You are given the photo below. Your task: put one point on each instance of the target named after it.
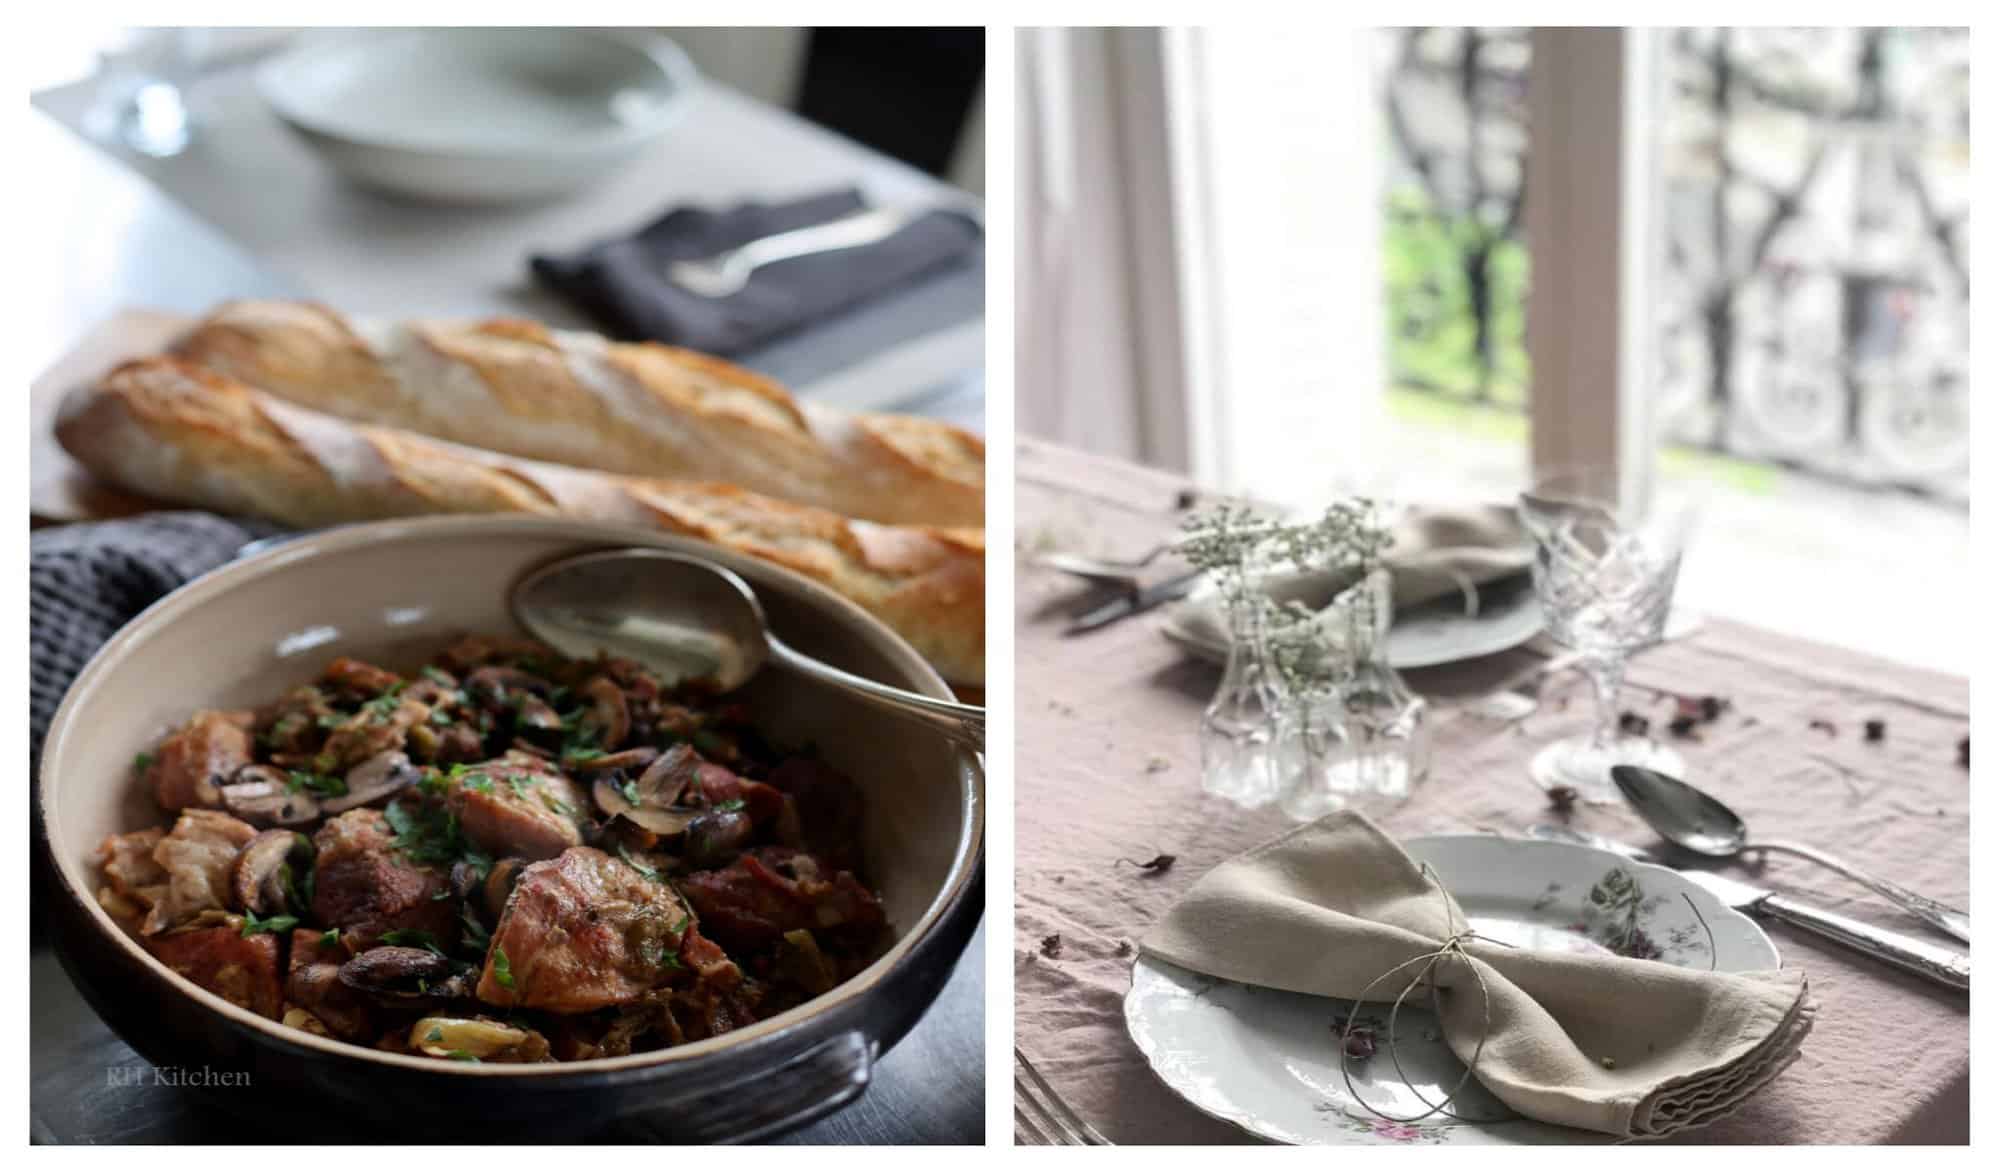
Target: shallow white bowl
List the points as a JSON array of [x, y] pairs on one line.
[[479, 116]]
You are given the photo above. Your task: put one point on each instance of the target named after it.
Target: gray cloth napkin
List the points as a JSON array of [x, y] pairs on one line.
[[622, 283], [1632, 1048], [87, 581], [1436, 552]]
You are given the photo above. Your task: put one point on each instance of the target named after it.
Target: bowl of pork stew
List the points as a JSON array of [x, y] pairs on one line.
[[327, 816]]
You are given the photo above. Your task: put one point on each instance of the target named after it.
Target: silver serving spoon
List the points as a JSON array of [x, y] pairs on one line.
[[687, 618], [1689, 818]]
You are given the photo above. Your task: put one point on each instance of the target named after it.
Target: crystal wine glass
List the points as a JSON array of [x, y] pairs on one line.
[[1604, 574]]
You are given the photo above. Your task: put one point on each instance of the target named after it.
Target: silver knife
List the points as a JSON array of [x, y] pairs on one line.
[[1940, 964], [1136, 602]]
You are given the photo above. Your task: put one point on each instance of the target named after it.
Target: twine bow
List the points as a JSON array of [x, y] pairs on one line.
[[1453, 946]]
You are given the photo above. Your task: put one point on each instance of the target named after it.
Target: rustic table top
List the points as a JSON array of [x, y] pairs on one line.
[[1107, 767]]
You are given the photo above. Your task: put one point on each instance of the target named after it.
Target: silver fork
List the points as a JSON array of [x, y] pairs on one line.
[[1042, 1116], [727, 272]]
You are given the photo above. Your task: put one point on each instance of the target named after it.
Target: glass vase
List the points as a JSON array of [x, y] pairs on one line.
[[1358, 736], [1239, 727]]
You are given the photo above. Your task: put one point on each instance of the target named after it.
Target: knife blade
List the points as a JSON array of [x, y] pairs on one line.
[[1944, 965], [1138, 601]]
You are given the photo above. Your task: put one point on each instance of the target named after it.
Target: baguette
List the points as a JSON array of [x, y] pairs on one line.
[[638, 409], [174, 431]]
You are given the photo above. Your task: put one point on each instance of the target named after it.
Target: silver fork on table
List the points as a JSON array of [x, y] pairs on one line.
[[727, 272], [1041, 1115]]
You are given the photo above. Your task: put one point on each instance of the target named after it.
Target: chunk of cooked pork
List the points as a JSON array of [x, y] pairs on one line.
[[365, 886], [196, 857], [192, 765], [242, 970], [585, 931]]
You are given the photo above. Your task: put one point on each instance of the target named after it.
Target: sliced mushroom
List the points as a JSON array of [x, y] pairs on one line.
[[607, 712], [658, 790], [500, 884], [490, 685], [664, 822], [397, 976], [627, 759], [716, 837], [262, 878], [465, 879], [262, 796], [468, 1037], [534, 712], [373, 780]]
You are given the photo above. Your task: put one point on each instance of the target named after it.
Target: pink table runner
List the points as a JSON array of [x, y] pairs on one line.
[[1108, 767]]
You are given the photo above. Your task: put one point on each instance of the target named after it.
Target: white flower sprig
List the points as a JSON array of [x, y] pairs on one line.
[[1232, 542]]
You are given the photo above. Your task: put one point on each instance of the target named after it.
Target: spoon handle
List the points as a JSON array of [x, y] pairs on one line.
[[963, 723], [1944, 917]]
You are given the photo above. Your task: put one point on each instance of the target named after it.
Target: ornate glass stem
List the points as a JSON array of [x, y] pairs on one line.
[[1607, 680]]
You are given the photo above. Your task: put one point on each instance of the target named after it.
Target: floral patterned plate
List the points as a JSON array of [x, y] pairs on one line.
[[1268, 1061]]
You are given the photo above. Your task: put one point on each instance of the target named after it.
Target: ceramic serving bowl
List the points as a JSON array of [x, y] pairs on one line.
[[394, 592], [479, 116]]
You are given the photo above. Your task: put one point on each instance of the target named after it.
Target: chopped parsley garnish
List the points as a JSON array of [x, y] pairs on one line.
[[670, 959], [252, 925], [427, 834], [440, 717], [649, 872], [142, 762], [461, 1055], [321, 784], [332, 720], [503, 972], [478, 783], [436, 1034], [521, 785], [381, 706], [412, 938], [629, 790], [475, 936], [329, 938], [558, 805], [438, 677], [731, 805]]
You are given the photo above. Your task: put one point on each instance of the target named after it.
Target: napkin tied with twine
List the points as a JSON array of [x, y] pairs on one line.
[[1638, 1049]]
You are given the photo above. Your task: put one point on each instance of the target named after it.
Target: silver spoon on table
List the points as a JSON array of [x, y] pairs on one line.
[[1691, 819], [689, 618]]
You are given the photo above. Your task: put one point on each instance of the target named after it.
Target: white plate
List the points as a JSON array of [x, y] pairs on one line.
[[1423, 636], [1268, 1061], [472, 115]]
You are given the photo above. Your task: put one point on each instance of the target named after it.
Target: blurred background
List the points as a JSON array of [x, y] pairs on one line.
[[1419, 261]]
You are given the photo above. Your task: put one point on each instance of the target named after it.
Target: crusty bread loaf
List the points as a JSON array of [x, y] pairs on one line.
[[575, 398], [175, 431]]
